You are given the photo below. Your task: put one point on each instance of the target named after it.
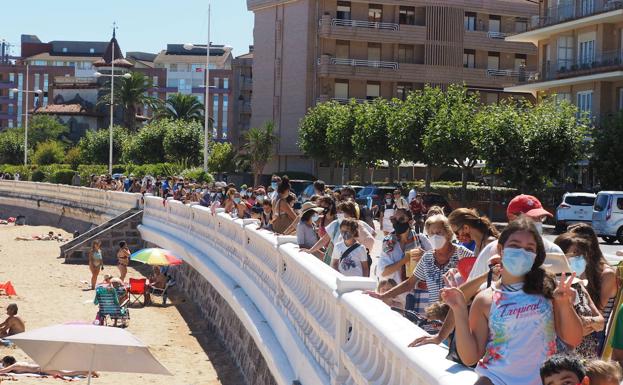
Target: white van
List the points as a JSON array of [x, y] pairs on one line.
[[608, 216]]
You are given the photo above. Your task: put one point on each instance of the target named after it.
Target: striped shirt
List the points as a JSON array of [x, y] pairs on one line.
[[428, 271]]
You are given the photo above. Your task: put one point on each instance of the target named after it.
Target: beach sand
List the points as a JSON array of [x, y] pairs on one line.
[[50, 292]]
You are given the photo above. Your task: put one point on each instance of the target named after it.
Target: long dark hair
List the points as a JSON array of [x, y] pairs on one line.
[[595, 260], [470, 217], [284, 185], [537, 281]]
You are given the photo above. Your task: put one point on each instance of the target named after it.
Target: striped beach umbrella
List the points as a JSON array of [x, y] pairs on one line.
[[156, 257]]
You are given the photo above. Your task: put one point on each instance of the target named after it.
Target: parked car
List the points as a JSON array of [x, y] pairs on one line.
[[574, 208], [608, 216], [434, 199], [309, 192], [377, 193], [299, 185]]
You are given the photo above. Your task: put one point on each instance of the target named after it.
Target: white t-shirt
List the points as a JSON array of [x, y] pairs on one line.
[[482, 262], [365, 233], [351, 265]]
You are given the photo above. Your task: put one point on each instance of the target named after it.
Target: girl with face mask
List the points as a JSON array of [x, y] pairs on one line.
[[576, 250], [472, 229], [511, 327], [387, 210], [306, 228]]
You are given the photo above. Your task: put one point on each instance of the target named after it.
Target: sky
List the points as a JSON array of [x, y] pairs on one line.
[[143, 25]]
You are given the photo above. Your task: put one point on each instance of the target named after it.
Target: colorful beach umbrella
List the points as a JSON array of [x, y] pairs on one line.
[[156, 257]]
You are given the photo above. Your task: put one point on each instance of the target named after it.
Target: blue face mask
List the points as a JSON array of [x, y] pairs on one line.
[[274, 185], [577, 264], [517, 262], [237, 200]]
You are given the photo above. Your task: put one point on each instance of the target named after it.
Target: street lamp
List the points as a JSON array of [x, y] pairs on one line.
[[112, 77], [26, 91]]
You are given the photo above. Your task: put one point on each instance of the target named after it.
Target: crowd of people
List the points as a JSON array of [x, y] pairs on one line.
[[511, 304]]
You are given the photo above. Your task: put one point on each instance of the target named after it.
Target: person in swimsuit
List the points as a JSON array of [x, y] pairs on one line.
[[13, 324], [96, 262], [11, 365], [123, 260]]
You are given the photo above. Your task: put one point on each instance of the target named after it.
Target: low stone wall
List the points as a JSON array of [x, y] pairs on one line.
[[221, 320]]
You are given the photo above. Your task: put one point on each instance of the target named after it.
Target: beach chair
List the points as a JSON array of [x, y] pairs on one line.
[[154, 291], [110, 308], [137, 290]]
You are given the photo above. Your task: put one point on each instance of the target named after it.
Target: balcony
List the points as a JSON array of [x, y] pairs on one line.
[[370, 32], [246, 84], [573, 15], [518, 75], [245, 107], [359, 63], [325, 98], [495, 41]]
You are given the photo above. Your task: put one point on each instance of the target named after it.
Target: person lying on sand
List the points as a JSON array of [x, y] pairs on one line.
[[47, 237], [11, 365], [13, 324]]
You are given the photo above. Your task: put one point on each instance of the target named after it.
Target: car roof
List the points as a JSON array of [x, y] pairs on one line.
[[580, 194], [611, 192]]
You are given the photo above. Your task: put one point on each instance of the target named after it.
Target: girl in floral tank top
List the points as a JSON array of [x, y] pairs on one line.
[[511, 327]]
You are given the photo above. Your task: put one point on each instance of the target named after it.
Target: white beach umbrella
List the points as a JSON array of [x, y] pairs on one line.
[[88, 348]]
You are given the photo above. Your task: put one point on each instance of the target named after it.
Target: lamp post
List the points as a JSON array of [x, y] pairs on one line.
[[112, 77], [26, 91]]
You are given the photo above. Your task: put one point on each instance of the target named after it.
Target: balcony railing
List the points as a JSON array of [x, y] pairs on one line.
[[74, 80], [497, 35], [572, 10], [365, 63], [363, 24], [522, 75], [562, 69]]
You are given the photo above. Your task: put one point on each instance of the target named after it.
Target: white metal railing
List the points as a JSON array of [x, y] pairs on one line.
[[511, 73], [365, 63], [328, 331], [364, 24], [497, 35]]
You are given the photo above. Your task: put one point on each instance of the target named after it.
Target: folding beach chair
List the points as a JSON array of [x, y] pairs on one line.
[[154, 291], [137, 290], [110, 308]]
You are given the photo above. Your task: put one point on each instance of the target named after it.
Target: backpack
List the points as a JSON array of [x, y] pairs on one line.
[[352, 247]]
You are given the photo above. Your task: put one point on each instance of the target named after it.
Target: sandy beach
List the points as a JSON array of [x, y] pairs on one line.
[[50, 292]]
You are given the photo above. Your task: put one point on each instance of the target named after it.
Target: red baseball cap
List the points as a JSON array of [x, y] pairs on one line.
[[527, 205]]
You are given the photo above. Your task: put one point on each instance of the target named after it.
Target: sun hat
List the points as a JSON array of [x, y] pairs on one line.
[[528, 205], [558, 265], [307, 206]]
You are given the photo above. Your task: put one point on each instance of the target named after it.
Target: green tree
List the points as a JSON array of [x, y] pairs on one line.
[[43, 128], [49, 152], [94, 146], [11, 147], [340, 134], [181, 106], [452, 135], [607, 160], [222, 158], [131, 94], [313, 132], [183, 140], [370, 135], [259, 148], [73, 157], [147, 145], [555, 137]]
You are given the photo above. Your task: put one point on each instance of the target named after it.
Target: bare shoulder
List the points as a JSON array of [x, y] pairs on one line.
[[483, 300]]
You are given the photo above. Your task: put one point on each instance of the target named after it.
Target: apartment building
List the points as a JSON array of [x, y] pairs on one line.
[[580, 49], [307, 51], [185, 72], [243, 91]]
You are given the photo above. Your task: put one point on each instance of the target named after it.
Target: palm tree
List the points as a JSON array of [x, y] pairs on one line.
[[181, 106], [259, 148], [132, 94]]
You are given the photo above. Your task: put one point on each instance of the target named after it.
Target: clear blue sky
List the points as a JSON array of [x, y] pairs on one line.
[[143, 25]]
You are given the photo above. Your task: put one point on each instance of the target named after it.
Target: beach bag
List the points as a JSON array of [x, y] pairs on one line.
[[281, 224]]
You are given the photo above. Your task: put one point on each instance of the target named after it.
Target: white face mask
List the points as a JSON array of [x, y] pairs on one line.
[[437, 241], [340, 216]]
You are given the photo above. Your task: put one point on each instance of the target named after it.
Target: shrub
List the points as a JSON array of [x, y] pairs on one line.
[[49, 152], [11, 147], [183, 140], [147, 145], [73, 157], [38, 176], [94, 146], [198, 175], [62, 176]]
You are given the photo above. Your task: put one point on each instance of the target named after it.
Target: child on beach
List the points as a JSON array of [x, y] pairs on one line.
[[13, 324], [511, 327], [563, 370]]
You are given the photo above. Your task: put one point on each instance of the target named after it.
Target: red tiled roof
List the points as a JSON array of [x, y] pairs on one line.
[[64, 109]]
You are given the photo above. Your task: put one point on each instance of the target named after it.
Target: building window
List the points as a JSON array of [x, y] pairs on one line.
[[373, 90], [565, 52], [375, 13], [585, 102], [493, 61], [406, 54], [374, 52], [154, 81], [10, 123], [64, 50], [45, 89], [588, 7], [216, 82], [226, 83], [343, 10], [173, 67], [520, 61], [215, 111], [403, 90], [521, 25], [20, 86], [469, 58], [494, 23], [342, 49], [586, 53], [197, 67], [407, 15], [224, 120], [341, 89], [563, 96], [470, 21], [91, 50]]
